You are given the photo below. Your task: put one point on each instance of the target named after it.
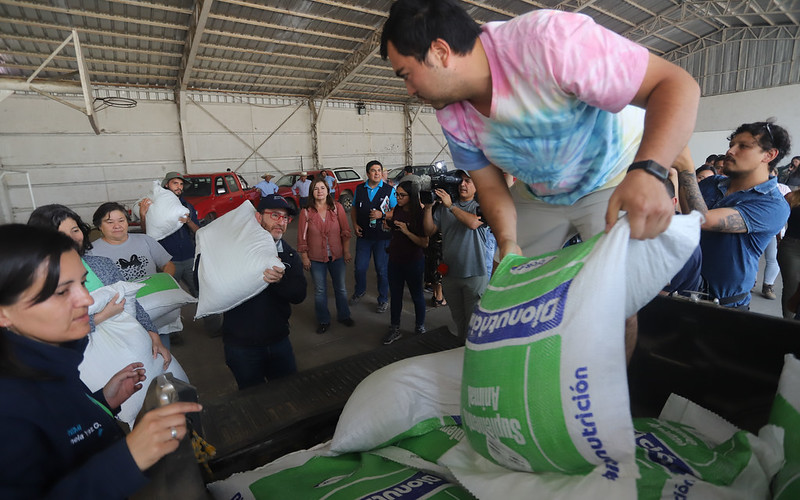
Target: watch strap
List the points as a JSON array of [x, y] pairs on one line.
[[651, 167]]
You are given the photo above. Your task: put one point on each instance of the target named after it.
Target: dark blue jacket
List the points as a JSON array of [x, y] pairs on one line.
[[58, 441], [264, 319], [180, 244]]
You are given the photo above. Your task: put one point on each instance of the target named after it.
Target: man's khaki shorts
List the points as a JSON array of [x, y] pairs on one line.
[[543, 228]]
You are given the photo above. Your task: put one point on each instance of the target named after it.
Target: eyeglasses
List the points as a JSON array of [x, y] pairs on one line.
[[278, 216], [769, 131], [401, 195]]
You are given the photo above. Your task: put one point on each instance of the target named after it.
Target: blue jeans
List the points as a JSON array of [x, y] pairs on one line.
[[318, 274], [253, 365], [771, 268], [407, 273], [377, 248]]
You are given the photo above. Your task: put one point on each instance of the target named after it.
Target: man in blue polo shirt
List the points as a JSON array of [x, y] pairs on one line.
[[743, 209], [371, 201]]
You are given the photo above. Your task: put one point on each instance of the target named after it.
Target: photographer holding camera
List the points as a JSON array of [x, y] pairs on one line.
[[463, 247]]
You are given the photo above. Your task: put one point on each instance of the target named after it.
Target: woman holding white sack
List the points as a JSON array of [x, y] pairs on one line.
[[62, 440], [102, 270], [119, 338], [136, 255]]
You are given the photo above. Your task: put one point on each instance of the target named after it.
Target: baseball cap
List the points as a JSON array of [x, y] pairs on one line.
[[462, 171], [275, 201], [172, 175]]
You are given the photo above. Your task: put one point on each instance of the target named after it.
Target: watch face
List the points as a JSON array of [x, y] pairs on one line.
[[651, 167]]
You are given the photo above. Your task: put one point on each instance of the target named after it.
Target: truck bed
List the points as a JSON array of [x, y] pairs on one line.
[[726, 361]]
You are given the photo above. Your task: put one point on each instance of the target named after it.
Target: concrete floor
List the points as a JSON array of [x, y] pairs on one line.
[[201, 354]]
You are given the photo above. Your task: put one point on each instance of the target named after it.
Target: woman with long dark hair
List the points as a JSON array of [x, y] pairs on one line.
[[61, 440], [406, 258], [323, 241], [101, 270]]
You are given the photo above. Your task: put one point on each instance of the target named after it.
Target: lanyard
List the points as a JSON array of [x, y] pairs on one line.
[[101, 405], [92, 281]]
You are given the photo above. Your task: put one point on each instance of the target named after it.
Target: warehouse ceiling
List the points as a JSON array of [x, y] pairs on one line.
[[328, 49]]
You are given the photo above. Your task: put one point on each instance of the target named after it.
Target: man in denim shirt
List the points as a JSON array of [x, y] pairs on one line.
[[743, 209]]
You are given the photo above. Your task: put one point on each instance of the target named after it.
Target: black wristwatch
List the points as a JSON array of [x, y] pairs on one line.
[[652, 168]]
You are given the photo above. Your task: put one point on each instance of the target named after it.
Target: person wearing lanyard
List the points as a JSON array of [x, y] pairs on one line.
[[101, 270], [63, 440]]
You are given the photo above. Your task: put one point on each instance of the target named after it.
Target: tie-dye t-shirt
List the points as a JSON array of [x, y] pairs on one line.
[[559, 119]]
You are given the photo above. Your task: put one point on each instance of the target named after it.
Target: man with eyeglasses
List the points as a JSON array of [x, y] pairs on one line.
[[743, 209], [256, 332]]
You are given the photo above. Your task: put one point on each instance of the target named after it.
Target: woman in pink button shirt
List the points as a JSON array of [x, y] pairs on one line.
[[323, 240]]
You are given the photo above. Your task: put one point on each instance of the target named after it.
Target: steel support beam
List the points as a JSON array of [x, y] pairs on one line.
[[350, 65], [198, 22], [197, 25], [409, 118], [180, 101], [734, 34], [315, 116]]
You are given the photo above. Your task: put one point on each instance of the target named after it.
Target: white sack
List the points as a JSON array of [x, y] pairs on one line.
[[115, 343], [169, 323], [124, 289], [545, 385], [397, 397], [235, 250], [164, 214], [161, 296]]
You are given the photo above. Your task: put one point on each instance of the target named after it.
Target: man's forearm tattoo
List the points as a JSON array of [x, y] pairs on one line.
[[690, 192], [732, 223]]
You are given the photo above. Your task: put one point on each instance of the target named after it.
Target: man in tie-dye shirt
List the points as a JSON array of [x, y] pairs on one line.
[[546, 98]]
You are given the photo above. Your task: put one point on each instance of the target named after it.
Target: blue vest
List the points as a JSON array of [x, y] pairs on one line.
[[364, 205]]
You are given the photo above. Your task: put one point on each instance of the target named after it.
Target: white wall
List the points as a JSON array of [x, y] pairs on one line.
[[718, 116], [69, 164]]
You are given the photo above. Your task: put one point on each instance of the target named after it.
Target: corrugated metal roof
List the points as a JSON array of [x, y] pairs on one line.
[[328, 48]]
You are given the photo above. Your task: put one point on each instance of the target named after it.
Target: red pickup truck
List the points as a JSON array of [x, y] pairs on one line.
[[344, 185], [215, 194]]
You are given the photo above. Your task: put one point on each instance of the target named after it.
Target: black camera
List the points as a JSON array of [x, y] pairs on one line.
[[448, 181]]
